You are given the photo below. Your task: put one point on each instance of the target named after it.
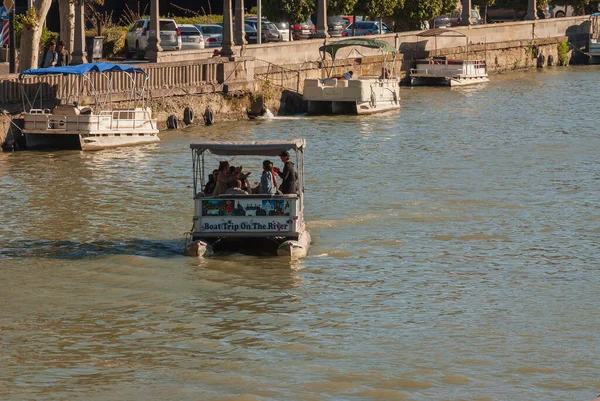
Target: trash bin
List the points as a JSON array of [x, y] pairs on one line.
[[94, 46]]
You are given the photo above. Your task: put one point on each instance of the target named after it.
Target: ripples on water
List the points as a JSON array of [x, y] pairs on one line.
[[455, 257]]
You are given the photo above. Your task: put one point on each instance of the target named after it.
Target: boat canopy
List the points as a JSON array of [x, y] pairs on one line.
[[83, 69], [332, 48], [250, 148]]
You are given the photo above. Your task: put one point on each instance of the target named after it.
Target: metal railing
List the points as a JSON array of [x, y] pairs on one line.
[[277, 75], [164, 75]]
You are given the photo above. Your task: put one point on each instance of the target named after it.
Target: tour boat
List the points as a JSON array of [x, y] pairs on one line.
[[84, 117], [441, 70], [253, 223], [364, 95]]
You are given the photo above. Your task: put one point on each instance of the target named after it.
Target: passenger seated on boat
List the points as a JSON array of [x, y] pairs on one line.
[[209, 188], [223, 178], [236, 189], [268, 182], [348, 75]]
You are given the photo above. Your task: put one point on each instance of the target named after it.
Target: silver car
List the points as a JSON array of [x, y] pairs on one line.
[[136, 39], [366, 28], [191, 38], [213, 34]]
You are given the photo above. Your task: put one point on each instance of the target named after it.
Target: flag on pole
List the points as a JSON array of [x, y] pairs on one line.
[[4, 27]]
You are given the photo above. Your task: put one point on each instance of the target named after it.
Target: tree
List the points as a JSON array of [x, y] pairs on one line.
[[415, 14], [340, 7], [295, 11], [31, 33], [66, 9], [377, 8]]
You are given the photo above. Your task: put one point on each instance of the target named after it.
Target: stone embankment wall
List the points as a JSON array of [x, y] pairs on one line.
[[279, 69]]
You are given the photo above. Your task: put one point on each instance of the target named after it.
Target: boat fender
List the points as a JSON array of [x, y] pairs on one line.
[[395, 97], [208, 116], [188, 115], [172, 122], [373, 100]]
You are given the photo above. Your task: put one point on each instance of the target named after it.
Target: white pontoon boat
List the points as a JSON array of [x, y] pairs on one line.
[[70, 124], [253, 223], [365, 95], [440, 70]]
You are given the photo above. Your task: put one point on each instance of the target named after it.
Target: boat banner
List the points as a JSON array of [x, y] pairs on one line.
[[244, 224], [246, 207]]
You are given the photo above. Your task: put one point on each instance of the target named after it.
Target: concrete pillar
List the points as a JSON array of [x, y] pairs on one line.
[[532, 10], [153, 47], [79, 56], [465, 16], [322, 19], [240, 32], [227, 43]]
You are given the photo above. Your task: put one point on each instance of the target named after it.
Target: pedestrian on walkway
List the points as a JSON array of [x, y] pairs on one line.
[[63, 54], [50, 57]]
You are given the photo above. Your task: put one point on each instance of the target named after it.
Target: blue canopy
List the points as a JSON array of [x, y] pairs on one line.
[[83, 69]]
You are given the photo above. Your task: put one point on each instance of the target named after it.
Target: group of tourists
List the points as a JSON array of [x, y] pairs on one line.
[[52, 58], [232, 180]]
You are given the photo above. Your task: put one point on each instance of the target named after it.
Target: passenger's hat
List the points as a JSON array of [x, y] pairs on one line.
[[284, 154]]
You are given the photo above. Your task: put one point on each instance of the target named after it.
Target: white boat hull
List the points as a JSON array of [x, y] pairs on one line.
[[447, 81], [295, 249], [355, 97], [67, 128]]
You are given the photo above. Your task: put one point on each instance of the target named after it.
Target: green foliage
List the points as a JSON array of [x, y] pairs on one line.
[[520, 5], [379, 8], [294, 11], [340, 7], [415, 13], [114, 41], [25, 20], [563, 49], [199, 19], [253, 10]]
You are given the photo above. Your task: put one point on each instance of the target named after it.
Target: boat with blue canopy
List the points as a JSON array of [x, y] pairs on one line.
[[82, 110]]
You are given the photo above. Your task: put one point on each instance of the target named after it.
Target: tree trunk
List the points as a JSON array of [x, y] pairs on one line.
[[30, 37], [66, 10]]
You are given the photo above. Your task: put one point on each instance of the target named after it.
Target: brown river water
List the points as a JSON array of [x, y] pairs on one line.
[[455, 257]]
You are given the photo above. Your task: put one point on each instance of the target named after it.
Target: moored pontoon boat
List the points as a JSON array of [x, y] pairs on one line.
[[71, 124], [253, 223], [365, 95], [440, 70]]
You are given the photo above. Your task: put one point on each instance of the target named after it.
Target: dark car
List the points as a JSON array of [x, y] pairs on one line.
[[269, 32], [335, 25], [500, 14], [305, 30]]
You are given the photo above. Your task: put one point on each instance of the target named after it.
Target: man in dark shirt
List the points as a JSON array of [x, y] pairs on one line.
[[288, 175], [63, 54]]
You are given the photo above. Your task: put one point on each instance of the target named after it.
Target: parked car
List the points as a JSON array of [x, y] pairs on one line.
[[557, 11], [335, 25], [366, 28], [136, 39], [191, 38], [499, 14], [348, 19], [284, 30], [213, 34], [269, 32], [251, 33], [453, 19], [305, 30]]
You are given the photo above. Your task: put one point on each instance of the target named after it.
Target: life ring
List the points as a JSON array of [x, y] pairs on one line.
[[373, 100], [188, 116], [61, 123]]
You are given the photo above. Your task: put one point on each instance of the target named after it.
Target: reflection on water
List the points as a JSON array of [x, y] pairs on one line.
[[454, 257]]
